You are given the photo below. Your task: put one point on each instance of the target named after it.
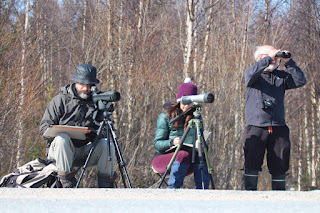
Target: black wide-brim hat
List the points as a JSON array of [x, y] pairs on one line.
[[85, 74]]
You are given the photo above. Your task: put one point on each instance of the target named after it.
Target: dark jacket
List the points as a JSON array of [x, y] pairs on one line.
[[68, 109], [165, 133], [262, 85]]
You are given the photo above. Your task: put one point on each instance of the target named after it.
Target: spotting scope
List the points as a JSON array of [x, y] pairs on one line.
[[202, 98]]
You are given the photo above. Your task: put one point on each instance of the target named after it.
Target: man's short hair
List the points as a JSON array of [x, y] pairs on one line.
[[258, 52]]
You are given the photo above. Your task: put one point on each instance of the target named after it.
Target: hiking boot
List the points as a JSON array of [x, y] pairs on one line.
[[105, 181], [65, 183], [279, 182], [251, 179], [67, 180]]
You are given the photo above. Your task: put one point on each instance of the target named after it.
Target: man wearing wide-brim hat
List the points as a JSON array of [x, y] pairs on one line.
[[73, 106]]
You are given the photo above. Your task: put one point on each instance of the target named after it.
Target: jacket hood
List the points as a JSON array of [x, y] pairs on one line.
[[66, 90]]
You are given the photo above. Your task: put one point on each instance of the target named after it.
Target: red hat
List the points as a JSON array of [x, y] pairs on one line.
[[187, 88]]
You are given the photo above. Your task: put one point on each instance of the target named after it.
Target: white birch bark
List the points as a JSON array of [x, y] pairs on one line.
[[195, 58], [84, 24], [313, 137], [139, 25], [22, 85], [205, 50], [188, 43], [300, 157]]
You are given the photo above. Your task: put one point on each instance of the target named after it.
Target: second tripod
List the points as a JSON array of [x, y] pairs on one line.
[[199, 139]]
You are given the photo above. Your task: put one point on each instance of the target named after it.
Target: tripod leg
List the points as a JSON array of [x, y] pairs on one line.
[[85, 166], [175, 154], [91, 151], [210, 170], [121, 163], [205, 150], [121, 171], [177, 174], [108, 138], [199, 142]]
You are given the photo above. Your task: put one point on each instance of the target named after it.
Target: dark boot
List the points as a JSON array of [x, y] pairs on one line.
[[279, 182], [105, 181], [250, 179], [68, 180]]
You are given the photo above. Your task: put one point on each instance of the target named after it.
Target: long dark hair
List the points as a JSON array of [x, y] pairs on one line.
[[173, 110]]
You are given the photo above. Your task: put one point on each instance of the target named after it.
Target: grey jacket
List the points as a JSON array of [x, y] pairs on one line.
[[68, 109], [262, 85]]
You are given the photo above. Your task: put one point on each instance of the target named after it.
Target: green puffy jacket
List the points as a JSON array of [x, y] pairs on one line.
[[165, 133]]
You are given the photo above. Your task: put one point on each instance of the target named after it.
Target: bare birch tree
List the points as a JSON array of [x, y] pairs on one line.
[[22, 86], [189, 36]]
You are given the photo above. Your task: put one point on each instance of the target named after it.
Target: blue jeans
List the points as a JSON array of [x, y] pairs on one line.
[[179, 171], [197, 176]]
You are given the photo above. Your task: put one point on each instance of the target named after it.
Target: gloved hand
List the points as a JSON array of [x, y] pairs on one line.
[[91, 136]]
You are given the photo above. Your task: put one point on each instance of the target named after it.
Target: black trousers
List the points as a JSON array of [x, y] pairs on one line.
[[257, 140]]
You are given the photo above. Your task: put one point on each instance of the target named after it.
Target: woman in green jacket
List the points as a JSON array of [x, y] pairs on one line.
[[169, 134]]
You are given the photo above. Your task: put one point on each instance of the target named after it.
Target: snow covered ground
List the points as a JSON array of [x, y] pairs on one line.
[[156, 200]]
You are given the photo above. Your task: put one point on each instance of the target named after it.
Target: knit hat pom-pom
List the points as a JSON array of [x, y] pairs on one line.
[[187, 88], [187, 80]]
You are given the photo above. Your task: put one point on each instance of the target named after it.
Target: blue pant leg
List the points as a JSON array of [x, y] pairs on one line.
[[177, 174], [197, 176]]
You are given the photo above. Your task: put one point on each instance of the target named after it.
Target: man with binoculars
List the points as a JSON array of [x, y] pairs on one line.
[[266, 128], [74, 106]]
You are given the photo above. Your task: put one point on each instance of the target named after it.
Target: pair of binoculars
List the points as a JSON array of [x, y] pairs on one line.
[[283, 55]]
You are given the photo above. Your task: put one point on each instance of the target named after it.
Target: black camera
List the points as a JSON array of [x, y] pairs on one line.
[[267, 104], [283, 55]]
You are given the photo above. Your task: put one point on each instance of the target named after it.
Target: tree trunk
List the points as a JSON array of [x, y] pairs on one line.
[[188, 44], [313, 137], [19, 159], [205, 50], [84, 24], [300, 155]]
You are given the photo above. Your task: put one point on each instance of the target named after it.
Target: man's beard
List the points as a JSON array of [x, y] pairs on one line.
[[84, 96]]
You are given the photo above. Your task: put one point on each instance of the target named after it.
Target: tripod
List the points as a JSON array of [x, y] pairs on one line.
[[107, 124], [199, 139]]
